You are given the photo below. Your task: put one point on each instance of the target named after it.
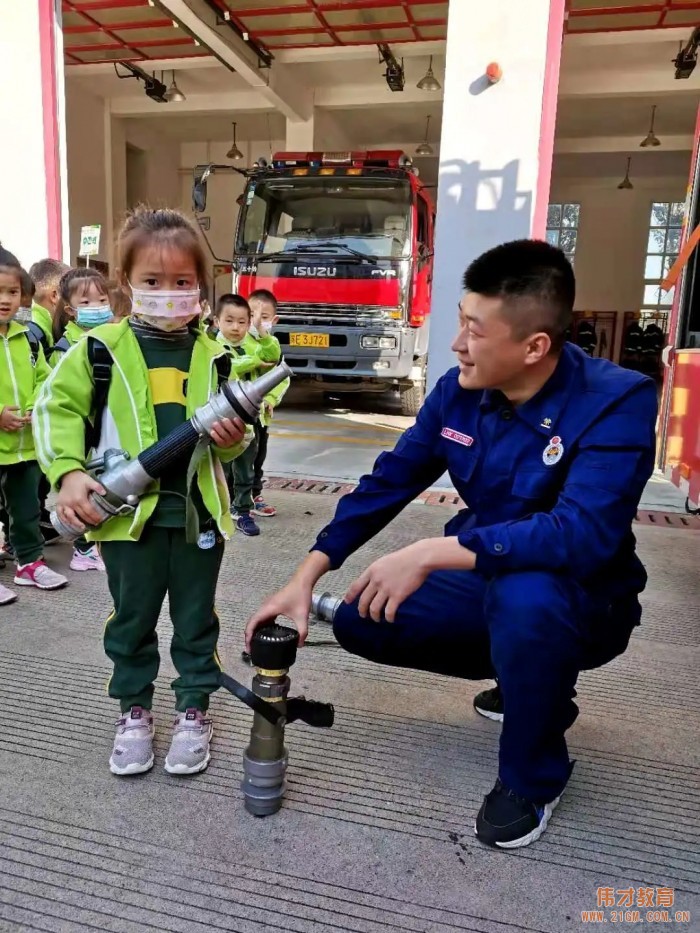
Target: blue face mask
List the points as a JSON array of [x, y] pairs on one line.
[[93, 317]]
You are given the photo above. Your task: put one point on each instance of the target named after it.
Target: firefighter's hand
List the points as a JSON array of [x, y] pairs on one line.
[[9, 420], [73, 505], [228, 432], [292, 601], [386, 584]]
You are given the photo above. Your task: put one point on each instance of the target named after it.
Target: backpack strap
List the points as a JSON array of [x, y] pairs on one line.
[[63, 346], [40, 337], [101, 361], [33, 346]]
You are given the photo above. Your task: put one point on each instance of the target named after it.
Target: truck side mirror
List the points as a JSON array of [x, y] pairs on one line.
[[199, 188]]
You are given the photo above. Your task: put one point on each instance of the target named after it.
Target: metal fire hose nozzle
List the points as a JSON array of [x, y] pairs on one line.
[[239, 399], [126, 480], [273, 650], [324, 606]]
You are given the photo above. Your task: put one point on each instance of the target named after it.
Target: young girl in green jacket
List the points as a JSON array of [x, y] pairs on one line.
[[162, 369], [85, 305], [22, 371]]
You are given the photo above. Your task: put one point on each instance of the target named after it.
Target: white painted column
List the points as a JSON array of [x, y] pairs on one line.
[[496, 143], [300, 135], [33, 209]]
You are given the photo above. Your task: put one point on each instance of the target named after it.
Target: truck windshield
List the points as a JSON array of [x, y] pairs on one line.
[[369, 215]]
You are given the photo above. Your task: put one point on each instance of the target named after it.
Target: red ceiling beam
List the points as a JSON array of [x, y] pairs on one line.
[[627, 10], [134, 58], [334, 7], [324, 22], [119, 27], [409, 16], [352, 27], [78, 7], [71, 7], [113, 46]]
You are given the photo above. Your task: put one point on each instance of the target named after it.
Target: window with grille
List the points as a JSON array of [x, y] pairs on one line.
[[562, 227], [663, 245]]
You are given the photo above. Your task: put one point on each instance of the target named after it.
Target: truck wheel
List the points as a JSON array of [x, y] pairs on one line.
[[412, 396]]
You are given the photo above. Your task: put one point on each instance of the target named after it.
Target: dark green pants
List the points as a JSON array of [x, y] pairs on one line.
[[241, 476], [140, 575], [19, 486]]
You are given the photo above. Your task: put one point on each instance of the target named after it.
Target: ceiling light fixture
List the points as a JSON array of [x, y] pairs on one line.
[[651, 139], [234, 152], [425, 149], [174, 95], [429, 82], [626, 184]]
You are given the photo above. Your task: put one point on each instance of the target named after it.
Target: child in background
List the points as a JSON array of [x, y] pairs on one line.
[[119, 301], [250, 356], [162, 369], [84, 306], [23, 316], [24, 370], [263, 306], [46, 274]]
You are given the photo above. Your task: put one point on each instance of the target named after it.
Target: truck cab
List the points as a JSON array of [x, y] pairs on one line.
[[345, 243]]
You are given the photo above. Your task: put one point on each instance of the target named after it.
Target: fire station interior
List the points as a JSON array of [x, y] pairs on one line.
[[147, 101]]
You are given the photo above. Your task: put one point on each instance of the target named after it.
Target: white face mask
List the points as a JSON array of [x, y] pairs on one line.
[[166, 310], [266, 327]]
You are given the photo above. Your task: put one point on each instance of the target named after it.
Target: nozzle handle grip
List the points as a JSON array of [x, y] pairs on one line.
[[169, 450]]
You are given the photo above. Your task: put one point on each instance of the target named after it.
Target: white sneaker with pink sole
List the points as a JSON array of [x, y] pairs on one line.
[[39, 575]]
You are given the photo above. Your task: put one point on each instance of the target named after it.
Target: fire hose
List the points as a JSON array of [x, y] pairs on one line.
[[126, 480]]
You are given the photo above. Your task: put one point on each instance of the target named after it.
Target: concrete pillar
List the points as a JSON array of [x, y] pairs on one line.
[[300, 136], [496, 142], [33, 211]]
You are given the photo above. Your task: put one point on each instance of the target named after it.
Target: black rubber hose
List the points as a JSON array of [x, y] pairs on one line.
[[167, 451]]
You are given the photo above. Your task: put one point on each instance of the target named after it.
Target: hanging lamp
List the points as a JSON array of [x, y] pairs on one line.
[[626, 184], [651, 139], [425, 149], [174, 95], [234, 152], [429, 82]]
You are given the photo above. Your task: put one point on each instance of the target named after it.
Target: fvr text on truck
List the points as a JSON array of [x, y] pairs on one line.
[[345, 242]]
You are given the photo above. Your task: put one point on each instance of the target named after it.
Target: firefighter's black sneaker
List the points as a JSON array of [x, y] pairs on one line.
[[489, 703], [508, 821]]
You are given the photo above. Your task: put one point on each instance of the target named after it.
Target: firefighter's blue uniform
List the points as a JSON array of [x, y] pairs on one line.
[[552, 487]]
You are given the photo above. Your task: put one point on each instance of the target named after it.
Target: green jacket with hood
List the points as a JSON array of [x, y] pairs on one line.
[[128, 422], [246, 359], [72, 335], [20, 380], [42, 317]]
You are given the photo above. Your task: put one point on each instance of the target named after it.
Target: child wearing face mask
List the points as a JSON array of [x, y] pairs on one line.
[[23, 371], [252, 353], [161, 369], [85, 305], [263, 306]]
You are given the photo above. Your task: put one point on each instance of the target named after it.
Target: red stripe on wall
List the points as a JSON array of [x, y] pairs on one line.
[[47, 51], [550, 94]]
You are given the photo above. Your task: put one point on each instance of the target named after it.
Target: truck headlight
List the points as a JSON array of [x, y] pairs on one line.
[[374, 342]]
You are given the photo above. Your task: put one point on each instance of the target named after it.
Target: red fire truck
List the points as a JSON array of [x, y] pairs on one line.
[[345, 242], [679, 448]]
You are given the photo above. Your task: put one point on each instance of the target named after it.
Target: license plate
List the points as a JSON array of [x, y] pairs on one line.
[[309, 340]]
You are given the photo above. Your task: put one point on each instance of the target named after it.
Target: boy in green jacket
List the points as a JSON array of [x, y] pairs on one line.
[[251, 354], [23, 369], [161, 369], [263, 306]]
